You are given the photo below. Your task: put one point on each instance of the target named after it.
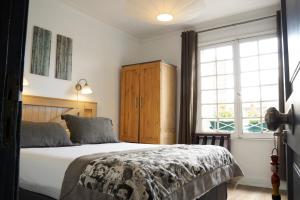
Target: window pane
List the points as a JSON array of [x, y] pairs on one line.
[[225, 67], [224, 53], [226, 96], [252, 125], [268, 45], [251, 110], [249, 64], [269, 93], [250, 94], [268, 61], [226, 110], [208, 97], [208, 69], [225, 81], [269, 77], [208, 55], [250, 79], [209, 125], [208, 111], [208, 83], [248, 49], [226, 125]]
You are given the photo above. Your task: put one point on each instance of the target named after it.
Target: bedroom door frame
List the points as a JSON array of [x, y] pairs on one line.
[[13, 26]]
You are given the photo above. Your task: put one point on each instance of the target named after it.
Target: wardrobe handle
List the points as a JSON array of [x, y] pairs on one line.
[[136, 102], [141, 102]]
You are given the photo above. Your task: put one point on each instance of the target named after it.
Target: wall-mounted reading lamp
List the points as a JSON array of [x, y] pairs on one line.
[[83, 87]]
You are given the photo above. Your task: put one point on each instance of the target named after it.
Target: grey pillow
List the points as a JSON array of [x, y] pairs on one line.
[[94, 130], [43, 134]]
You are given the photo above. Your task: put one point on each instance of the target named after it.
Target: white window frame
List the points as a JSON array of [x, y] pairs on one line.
[[238, 133], [234, 88]]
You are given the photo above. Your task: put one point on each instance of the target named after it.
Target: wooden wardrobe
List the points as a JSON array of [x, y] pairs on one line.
[[148, 103]]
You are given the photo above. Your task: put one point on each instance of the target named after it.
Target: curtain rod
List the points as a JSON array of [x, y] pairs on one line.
[[235, 24]]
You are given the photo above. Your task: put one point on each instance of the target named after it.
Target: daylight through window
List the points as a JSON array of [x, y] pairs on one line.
[[238, 81]]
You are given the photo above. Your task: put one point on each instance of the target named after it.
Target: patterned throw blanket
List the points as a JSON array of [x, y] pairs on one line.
[[159, 173]]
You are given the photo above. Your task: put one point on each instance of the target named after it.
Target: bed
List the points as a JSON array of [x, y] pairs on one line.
[[35, 162], [73, 172]]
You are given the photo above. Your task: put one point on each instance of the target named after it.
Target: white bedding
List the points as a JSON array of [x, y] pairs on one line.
[[42, 169]]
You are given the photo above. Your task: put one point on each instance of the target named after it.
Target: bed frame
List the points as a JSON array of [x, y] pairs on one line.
[[217, 193], [45, 109]]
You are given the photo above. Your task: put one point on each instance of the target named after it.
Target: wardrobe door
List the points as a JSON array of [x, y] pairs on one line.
[[129, 118], [150, 103]]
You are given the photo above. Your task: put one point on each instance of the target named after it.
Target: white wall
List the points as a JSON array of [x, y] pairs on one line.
[[99, 51], [253, 155]]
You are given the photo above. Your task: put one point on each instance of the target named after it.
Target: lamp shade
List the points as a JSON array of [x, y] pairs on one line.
[[165, 17], [25, 82], [86, 89]]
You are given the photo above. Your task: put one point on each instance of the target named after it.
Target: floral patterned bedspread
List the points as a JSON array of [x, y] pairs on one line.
[[153, 174]]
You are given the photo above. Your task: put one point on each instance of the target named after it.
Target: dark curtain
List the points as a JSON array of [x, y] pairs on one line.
[[280, 144], [188, 93]]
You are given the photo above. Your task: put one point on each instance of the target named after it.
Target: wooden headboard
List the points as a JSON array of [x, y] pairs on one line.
[[46, 109]]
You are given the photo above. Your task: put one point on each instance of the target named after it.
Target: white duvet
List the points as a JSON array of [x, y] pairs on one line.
[[42, 170]]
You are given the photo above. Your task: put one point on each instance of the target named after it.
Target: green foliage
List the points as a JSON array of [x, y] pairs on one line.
[[254, 122], [223, 113]]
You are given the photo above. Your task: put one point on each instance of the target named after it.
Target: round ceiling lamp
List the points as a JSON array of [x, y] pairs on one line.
[[168, 11], [164, 17]]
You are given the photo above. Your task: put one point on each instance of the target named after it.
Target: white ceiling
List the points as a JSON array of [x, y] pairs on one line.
[[138, 17]]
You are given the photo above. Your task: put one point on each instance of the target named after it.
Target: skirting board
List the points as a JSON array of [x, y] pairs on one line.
[[255, 182]]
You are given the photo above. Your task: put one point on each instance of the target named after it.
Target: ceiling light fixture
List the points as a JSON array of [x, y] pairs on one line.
[[164, 17]]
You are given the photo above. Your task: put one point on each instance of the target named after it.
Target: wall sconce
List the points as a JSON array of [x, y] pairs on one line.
[[83, 87], [25, 82]]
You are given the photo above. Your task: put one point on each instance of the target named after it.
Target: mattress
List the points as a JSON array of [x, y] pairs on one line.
[[42, 170]]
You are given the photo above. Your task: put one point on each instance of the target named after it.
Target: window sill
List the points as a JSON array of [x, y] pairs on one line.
[[258, 138], [244, 136]]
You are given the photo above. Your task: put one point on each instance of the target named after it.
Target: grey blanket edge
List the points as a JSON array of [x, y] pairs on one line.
[[71, 190]]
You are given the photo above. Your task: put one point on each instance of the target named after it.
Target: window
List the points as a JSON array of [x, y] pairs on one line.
[[217, 89], [259, 82], [238, 82]]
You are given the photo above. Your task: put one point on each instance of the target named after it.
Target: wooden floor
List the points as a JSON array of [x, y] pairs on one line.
[[251, 193]]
